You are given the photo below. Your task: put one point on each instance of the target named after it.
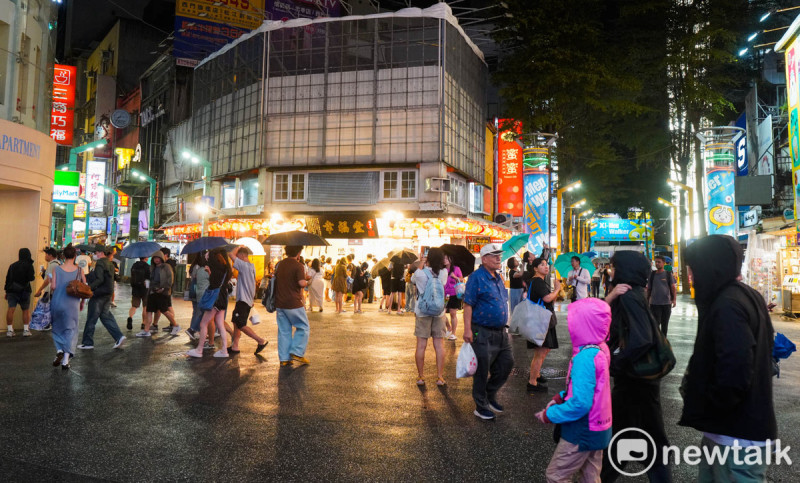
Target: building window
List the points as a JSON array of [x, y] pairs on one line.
[[399, 185], [248, 196], [290, 187], [458, 192], [229, 194], [476, 199]]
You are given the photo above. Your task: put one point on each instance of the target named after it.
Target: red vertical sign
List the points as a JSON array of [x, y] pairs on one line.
[[509, 165], [62, 111]]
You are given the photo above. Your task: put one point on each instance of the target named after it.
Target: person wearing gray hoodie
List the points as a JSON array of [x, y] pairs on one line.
[[159, 300]]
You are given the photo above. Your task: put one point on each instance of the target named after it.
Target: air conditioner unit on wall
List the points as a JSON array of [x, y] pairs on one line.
[[437, 185]]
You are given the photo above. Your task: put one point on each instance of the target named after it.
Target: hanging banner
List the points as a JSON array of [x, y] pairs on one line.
[[62, 109], [509, 166], [617, 229], [765, 147], [793, 104], [95, 174], [742, 161], [720, 182], [535, 213]]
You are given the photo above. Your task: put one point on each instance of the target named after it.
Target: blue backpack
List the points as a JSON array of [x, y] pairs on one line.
[[431, 302]]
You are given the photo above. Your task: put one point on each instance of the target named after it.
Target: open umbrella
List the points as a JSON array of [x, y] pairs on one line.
[[563, 263], [254, 245], [461, 257], [402, 255], [204, 243], [296, 238], [514, 244], [377, 268], [140, 249], [589, 254]]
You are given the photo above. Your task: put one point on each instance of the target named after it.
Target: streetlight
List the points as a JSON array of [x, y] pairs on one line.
[[582, 236], [559, 193], [72, 165], [151, 201], [186, 154], [690, 194], [577, 204]]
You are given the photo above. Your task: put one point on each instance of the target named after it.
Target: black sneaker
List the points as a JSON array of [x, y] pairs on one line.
[[154, 328], [537, 388], [542, 380], [130, 323], [495, 406], [484, 414]]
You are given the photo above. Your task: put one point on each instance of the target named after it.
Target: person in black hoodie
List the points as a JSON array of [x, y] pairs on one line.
[[727, 388], [635, 402], [18, 291]]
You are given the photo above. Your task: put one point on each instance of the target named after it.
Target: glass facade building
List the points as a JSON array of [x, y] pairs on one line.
[[354, 95]]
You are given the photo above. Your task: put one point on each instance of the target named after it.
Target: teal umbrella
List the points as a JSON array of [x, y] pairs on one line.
[[515, 244], [563, 263]]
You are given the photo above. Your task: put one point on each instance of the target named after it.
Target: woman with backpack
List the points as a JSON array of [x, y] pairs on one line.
[[429, 313]]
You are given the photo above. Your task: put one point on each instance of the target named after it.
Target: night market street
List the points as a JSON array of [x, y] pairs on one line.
[[146, 413]]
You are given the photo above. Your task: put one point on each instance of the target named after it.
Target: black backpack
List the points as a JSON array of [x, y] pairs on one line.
[[139, 274]]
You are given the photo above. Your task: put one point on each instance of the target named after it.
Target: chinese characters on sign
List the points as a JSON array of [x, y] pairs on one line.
[[342, 226], [95, 174], [62, 110], [536, 198], [203, 26], [509, 165]]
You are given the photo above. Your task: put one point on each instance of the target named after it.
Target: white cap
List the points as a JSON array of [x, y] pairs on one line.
[[492, 249]]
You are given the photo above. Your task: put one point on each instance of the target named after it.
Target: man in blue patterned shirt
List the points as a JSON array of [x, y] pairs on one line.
[[485, 317]]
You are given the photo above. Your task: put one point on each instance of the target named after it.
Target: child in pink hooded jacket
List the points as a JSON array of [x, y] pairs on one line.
[[584, 409]]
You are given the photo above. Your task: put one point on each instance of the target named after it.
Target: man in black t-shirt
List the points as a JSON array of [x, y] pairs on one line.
[[140, 274]]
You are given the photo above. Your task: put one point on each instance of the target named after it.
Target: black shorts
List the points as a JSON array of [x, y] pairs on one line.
[[157, 302], [453, 302], [386, 286], [241, 312], [398, 285]]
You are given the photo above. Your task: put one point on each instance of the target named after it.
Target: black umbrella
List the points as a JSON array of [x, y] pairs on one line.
[[461, 257], [296, 238], [402, 255], [204, 243]]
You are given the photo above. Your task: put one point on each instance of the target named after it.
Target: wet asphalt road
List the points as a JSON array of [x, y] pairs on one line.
[[146, 413]]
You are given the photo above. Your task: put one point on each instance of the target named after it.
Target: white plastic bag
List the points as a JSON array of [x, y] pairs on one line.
[[531, 321], [467, 363]]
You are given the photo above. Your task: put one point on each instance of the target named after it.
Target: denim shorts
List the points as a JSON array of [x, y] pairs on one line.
[[23, 299]]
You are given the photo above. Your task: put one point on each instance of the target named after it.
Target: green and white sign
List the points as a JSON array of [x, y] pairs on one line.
[[66, 186]]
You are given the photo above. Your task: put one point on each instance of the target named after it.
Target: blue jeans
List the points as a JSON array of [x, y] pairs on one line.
[[197, 316], [515, 296], [289, 344], [99, 307]]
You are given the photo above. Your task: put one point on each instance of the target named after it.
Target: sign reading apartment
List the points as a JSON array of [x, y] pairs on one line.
[[62, 109]]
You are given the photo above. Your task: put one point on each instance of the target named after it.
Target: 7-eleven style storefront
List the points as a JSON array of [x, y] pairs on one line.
[[360, 234]]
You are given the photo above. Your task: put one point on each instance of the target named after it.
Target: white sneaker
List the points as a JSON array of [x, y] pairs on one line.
[[120, 342], [85, 347], [26, 333], [143, 333], [10, 333], [452, 337], [219, 353], [447, 334], [194, 353], [175, 330]]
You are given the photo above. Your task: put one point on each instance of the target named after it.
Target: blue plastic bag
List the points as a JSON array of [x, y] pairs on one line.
[[41, 316]]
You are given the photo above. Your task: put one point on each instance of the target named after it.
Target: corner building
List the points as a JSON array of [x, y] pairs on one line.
[[356, 116]]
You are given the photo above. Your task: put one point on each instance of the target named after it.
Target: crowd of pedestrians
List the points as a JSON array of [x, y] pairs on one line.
[[727, 393]]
